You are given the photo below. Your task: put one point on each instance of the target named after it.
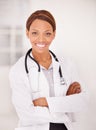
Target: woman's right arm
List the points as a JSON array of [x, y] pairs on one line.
[[22, 101]]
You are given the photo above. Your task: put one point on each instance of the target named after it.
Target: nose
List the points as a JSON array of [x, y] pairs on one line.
[[41, 38]]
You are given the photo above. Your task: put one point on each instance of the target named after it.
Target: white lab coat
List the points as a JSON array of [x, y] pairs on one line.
[[60, 108]]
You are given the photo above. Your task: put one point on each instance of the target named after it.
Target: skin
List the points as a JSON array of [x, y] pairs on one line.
[[41, 36], [74, 88]]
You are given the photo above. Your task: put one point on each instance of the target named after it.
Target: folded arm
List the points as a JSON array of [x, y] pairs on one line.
[[74, 88], [22, 101]]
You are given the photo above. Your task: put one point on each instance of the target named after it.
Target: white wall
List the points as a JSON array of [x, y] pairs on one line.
[[75, 38]]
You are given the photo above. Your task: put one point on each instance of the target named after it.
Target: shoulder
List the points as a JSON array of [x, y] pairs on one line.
[[68, 65], [18, 68], [69, 69], [66, 61], [19, 64]]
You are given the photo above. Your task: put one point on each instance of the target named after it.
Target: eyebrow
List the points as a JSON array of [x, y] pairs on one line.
[[47, 30], [34, 29], [37, 30]]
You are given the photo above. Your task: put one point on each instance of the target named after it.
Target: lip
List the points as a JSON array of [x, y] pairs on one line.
[[40, 45]]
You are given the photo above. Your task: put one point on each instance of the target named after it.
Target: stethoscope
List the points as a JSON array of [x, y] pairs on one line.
[[62, 81]]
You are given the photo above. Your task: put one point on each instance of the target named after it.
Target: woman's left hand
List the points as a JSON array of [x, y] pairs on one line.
[[40, 102], [74, 88]]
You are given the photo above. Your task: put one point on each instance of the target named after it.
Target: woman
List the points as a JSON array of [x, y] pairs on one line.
[[42, 101]]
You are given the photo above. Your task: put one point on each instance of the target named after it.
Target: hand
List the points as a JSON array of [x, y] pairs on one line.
[[74, 88], [40, 102]]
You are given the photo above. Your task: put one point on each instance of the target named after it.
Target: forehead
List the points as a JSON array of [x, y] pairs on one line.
[[41, 24]]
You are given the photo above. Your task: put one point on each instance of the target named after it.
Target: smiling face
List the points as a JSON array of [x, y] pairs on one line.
[[40, 35]]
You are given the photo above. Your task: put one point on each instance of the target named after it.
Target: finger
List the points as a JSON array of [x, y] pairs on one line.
[[78, 91], [75, 83], [73, 88], [36, 102], [70, 90]]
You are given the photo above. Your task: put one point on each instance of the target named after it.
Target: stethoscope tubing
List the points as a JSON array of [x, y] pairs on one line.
[[28, 54], [39, 69]]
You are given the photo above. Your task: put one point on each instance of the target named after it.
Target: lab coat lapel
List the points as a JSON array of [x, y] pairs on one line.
[[38, 82], [56, 77], [60, 90]]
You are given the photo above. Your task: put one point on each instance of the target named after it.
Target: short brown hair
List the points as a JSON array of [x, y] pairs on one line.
[[43, 15]]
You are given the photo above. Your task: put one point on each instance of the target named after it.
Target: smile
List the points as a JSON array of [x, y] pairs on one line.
[[40, 45]]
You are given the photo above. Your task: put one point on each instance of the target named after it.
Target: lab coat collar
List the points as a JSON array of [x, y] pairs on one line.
[[55, 64], [31, 63]]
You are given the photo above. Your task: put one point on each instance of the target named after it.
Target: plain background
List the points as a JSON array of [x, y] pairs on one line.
[[75, 38]]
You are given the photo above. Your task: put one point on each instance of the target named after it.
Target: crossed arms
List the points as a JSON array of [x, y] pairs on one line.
[[74, 88]]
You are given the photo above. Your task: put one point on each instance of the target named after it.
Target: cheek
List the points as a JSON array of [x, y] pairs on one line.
[[32, 40], [46, 40], [49, 39]]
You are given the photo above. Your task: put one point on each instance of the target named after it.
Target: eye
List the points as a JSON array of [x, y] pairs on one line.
[[34, 33], [48, 34]]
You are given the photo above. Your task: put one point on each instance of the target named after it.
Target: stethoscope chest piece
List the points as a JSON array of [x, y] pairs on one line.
[[62, 81]]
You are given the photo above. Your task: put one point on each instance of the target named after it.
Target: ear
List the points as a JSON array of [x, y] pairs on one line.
[[54, 34], [27, 33]]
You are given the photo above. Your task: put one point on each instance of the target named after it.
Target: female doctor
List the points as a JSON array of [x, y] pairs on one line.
[[46, 91]]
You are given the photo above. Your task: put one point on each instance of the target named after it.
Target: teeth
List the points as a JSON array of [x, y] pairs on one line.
[[41, 45]]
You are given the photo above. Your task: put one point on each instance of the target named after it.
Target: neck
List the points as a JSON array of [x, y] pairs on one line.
[[41, 57]]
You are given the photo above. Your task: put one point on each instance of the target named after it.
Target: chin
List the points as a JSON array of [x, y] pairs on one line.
[[42, 50]]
